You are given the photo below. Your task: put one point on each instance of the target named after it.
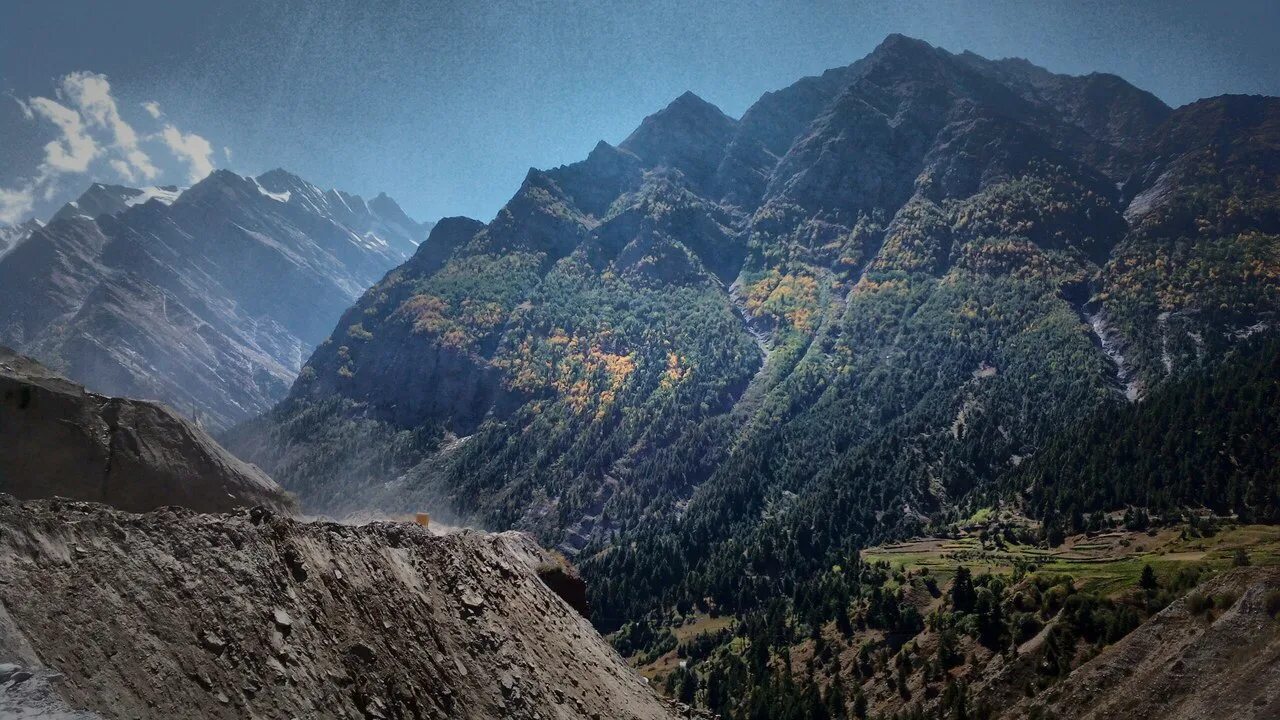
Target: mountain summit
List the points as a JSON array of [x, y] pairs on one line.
[[207, 298], [688, 136], [746, 346]]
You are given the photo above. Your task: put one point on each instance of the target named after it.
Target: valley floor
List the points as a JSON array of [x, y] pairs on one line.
[[1179, 621], [1108, 562]]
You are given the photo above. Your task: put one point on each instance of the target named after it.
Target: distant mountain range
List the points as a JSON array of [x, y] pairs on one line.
[[207, 298]]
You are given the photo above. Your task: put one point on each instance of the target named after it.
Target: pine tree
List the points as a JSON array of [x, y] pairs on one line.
[[860, 705], [835, 700], [1148, 580], [962, 592]]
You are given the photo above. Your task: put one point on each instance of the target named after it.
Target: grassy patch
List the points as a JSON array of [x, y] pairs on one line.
[[980, 517], [1107, 563]]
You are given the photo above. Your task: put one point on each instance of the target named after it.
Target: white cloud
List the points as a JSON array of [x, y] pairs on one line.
[[72, 152], [192, 149], [91, 93], [15, 204], [26, 109], [122, 169], [90, 127]]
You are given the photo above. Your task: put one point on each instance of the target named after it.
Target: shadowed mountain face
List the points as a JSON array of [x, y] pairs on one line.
[[717, 358], [208, 298]]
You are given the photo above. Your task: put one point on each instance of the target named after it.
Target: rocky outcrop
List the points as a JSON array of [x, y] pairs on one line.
[[175, 614], [688, 136], [565, 581], [57, 439], [31, 692], [446, 236]]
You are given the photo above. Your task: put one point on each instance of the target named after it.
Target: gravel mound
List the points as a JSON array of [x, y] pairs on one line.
[[254, 614]]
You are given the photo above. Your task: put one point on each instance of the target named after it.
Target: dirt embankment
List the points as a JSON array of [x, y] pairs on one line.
[[57, 439], [177, 614]]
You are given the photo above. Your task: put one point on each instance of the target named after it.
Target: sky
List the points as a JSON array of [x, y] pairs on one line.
[[446, 105]]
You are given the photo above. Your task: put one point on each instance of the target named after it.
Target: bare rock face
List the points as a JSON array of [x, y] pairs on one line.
[[12, 235], [565, 581], [177, 614], [57, 439]]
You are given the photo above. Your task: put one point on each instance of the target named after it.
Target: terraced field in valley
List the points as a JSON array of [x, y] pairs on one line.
[[1109, 561]]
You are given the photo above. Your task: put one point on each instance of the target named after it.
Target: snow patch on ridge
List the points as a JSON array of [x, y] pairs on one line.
[[278, 197], [166, 195]]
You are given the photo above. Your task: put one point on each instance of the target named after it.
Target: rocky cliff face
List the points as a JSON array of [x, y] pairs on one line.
[[207, 298], [59, 440], [258, 615], [103, 199]]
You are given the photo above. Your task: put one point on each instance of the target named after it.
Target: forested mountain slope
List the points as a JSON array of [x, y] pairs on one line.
[[208, 299], [1206, 439], [718, 358]]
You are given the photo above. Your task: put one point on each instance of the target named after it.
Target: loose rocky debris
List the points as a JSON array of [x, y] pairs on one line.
[[177, 614], [31, 693]]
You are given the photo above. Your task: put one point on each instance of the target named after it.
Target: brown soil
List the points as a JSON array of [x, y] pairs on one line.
[[57, 439]]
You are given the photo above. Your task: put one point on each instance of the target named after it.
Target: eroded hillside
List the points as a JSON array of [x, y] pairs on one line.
[[1212, 654], [176, 614]]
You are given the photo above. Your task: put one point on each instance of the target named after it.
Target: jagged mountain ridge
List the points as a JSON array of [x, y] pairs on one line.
[[741, 348], [207, 298], [103, 199]]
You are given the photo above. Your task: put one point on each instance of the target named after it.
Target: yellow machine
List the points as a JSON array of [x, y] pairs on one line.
[[423, 519]]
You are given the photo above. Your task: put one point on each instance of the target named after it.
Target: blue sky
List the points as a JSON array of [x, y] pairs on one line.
[[445, 105]]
